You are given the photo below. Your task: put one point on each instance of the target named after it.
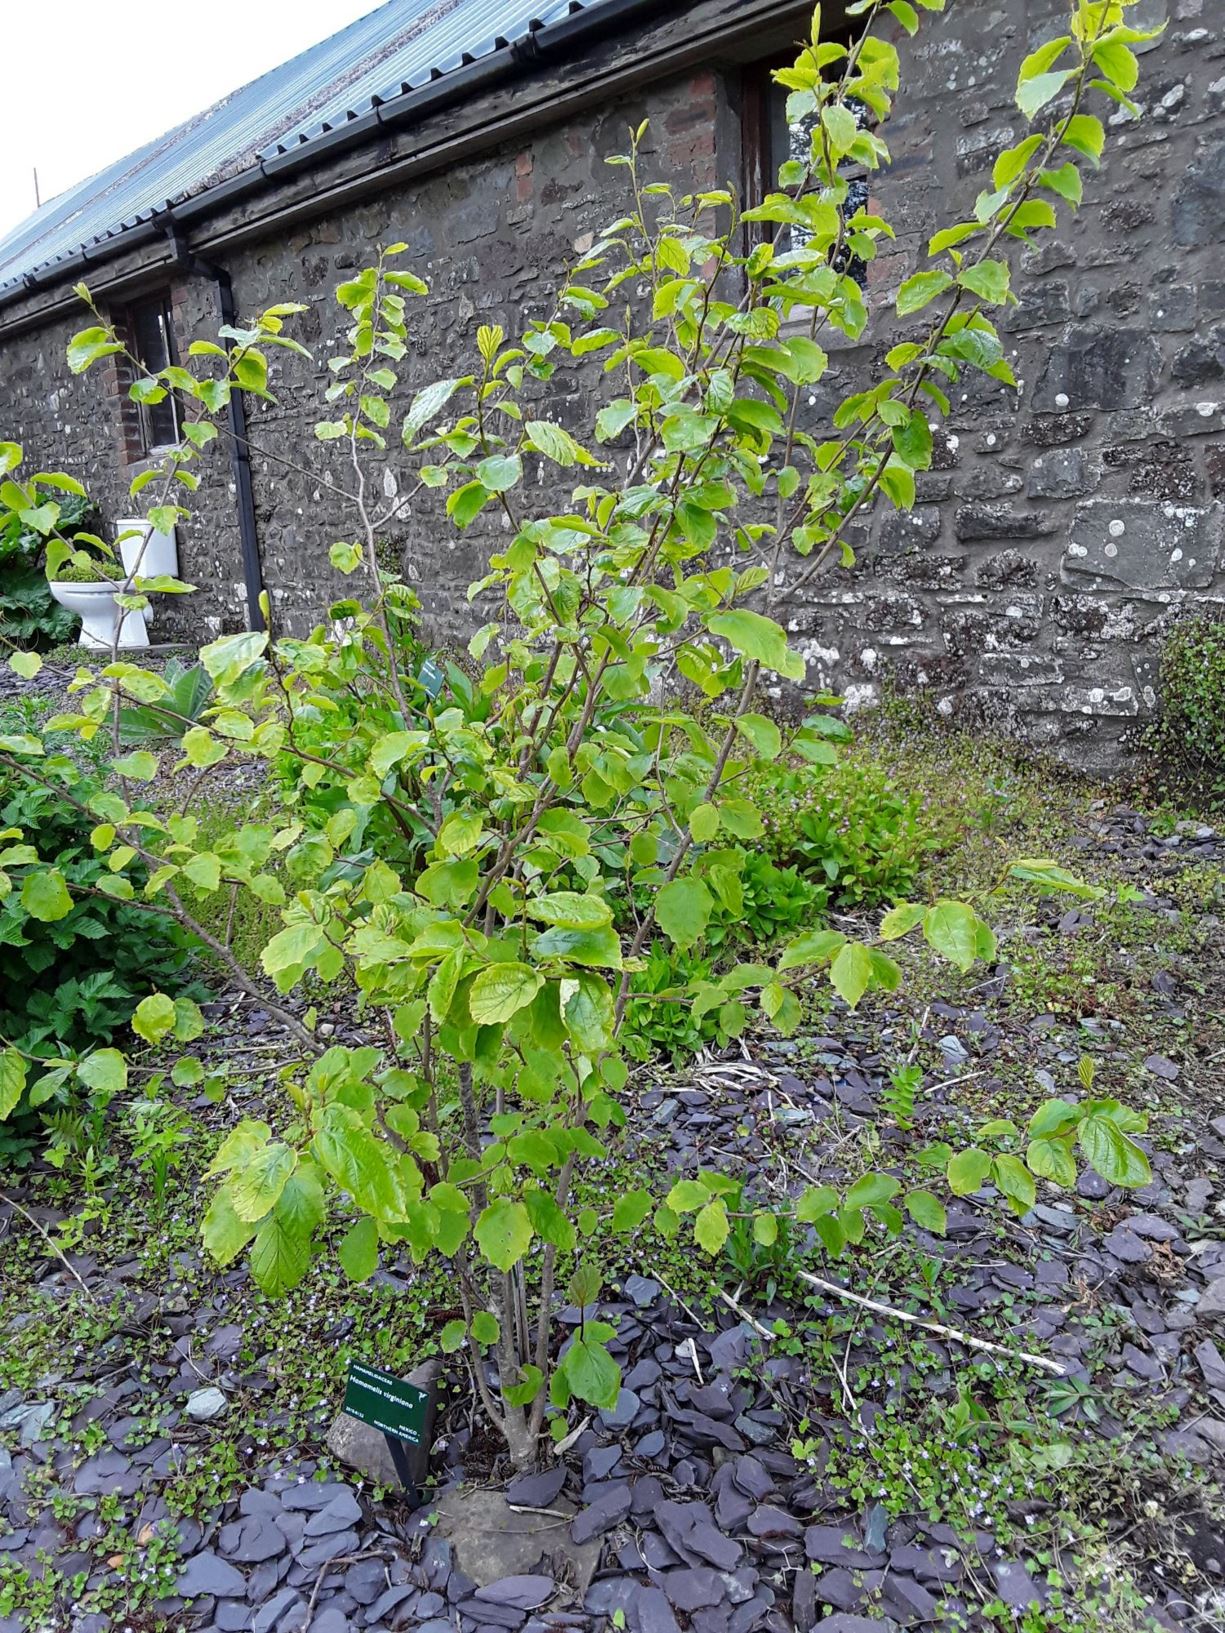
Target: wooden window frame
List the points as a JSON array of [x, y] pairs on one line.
[[149, 444]]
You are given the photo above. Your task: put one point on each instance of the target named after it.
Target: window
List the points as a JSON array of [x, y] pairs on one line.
[[151, 338], [769, 141]]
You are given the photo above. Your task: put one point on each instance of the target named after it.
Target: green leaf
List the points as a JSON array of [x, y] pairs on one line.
[[45, 896], [711, 1228], [811, 947], [346, 558], [25, 664], [600, 949], [591, 1372], [1012, 161], [688, 1195], [871, 1189], [526, 1391], [920, 290], [500, 472], [899, 921], [1052, 1159], [851, 972], [280, 1253], [502, 990], [154, 1017], [426, 404], [1034, 94], [452, 1337], [1085, 133], [967, 1171], [765, 1229], [105, 1070], [912, 442], [989, 280], [555, 443], [255, 1186], [294, 948], [704, 823], [226, 659], [503, 1233], [1117, 63], [952, 929], [762, 733], [1016, 1182], [12, 1081], [1065, 180], [927, 1212], [224, 1233], [359, 1252], [683, 909], [466, 503], [357, 1161], [485, 1328], [570, 910], [760, 639], [630, 1210], [1115, 1156], [815, 1202]]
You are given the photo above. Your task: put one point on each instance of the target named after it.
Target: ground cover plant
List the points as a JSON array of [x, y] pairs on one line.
[[1097, 1517], [476, 833]]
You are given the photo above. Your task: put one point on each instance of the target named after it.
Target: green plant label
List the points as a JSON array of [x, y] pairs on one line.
[[386, 1403], [431, 677]]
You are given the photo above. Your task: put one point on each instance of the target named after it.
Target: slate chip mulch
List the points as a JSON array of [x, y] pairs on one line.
[[711, 1518]]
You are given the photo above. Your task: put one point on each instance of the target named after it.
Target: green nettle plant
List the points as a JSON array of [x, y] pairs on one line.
[[455, 858]]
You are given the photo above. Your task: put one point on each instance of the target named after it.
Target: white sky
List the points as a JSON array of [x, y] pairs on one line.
[[87, 82]]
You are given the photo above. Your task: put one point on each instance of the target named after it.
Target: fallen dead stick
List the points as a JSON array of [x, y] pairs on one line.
[[933, 1326], [758, 1328], [51, 1246]]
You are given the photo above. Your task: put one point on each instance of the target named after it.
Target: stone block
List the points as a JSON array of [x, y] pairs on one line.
[[982, 521], [1010, 669], [1143, 544], [1199, 201], [1099, 367], [1053, 430], [1062, 473]]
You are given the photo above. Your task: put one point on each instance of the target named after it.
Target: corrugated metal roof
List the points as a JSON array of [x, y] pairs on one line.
[[399, 47]]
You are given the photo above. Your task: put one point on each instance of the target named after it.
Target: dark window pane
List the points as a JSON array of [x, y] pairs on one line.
[[149, 329], [795, 142]]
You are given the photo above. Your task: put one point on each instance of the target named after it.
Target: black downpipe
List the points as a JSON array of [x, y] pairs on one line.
[[240, 452]]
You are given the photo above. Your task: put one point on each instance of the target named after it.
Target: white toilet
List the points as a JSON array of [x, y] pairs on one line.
[[160, 555], [145, 553], [96, 607]]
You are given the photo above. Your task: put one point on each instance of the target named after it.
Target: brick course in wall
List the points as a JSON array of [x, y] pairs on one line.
[[1057, 533]]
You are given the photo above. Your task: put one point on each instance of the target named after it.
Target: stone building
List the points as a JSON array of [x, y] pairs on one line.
[[1053, 540]]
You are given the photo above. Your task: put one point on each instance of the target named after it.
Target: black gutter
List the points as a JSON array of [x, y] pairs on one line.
[[457, 85], [240, 452]]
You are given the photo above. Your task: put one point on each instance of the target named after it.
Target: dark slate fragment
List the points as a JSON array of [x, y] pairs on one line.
[[650, 1612], [751, 1476], [208, 1573], [768, 1521], [837, 1587], [693, 1587], [835, 1545], [601, 1516], [535, 1490], [908, 1599], [521, 1592], [1014, 1584], [485, 1614], [804, 1601]]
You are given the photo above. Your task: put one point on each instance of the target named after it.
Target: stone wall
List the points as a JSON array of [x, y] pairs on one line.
[[1058, 534], [1054, 537], [490, 238]]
